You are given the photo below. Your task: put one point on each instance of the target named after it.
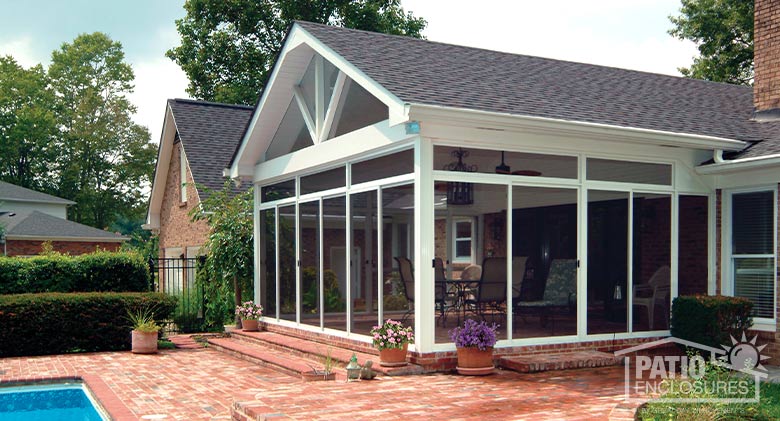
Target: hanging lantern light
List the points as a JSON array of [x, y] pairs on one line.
[[460, 193]]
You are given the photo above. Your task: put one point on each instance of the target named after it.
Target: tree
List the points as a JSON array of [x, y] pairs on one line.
[[27, 125], [229, 47], [104, 158], [723, 32], [229, 265]]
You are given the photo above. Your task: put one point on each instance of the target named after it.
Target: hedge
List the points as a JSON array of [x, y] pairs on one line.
[[710, 320], [100, 271], [56, 323]]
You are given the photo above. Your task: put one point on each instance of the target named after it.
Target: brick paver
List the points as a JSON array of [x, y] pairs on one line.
[[201, 383]]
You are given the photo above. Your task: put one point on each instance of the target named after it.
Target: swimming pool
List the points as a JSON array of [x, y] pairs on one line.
[[61, 401]]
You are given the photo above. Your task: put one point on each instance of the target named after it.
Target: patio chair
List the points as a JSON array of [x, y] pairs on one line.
[[442, 295], [560, 291], [656, 291], [518, 273], [407, 283], [491, 289]]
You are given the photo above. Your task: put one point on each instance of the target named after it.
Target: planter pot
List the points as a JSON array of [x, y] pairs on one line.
[[394, 357], [311, 376], [473, 362], [144, 342], [249, 325]]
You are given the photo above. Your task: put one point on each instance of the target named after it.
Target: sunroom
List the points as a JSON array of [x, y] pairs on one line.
[[369, 207]]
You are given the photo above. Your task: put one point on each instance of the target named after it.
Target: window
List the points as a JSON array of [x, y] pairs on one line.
[[753, 249], [183, 174], [629, 172], [462, 240]]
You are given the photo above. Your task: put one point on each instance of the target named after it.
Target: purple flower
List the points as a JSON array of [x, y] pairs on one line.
[[474, 334]]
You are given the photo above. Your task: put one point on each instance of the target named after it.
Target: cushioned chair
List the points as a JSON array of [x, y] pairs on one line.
[[560, 291], [655, 292]]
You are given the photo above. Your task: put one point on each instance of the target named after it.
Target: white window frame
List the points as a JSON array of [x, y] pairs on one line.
[[456, 239], [182, 174], [728, 277]]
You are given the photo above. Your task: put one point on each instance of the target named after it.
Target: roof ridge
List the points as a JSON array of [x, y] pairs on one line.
[[211, 103], [408, 38]]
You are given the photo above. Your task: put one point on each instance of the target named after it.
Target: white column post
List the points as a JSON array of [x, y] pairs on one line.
[[424, 316]]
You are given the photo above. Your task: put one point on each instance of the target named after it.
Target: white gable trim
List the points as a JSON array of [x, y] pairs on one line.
[[252, 148], [161, 170]]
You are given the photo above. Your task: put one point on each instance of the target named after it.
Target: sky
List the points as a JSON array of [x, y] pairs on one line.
[[622, 33]]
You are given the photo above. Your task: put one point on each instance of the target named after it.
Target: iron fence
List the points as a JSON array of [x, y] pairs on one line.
[[176, 277]]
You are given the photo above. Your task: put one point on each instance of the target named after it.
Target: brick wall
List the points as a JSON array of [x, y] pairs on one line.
[[766, 42], [30, 248], [692, 250], [176, 229]]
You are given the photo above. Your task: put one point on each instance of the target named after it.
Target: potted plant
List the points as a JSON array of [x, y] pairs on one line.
[[250, 313], [474, 341], [328, 363], [392, 339], [145, 331]]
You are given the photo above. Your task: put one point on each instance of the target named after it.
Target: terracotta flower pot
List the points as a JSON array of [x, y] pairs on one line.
[[393, 357], [249, 325], [473, 362], [144, 342]]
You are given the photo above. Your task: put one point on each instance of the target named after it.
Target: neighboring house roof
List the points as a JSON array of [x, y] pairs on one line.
[[432, 73], [210, 132], [37, 225], [12, 192]]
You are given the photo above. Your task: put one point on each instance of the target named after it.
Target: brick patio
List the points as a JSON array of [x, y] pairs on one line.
[[201, 383]]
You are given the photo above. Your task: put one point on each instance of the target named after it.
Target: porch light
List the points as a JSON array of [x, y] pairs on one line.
[[460, 193]]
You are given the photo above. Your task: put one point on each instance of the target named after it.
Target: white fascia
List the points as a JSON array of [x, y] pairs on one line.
[[510, 122], [161, 170], [737, 165]]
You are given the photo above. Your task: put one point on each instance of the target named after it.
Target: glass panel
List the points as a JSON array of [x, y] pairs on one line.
[[629, 172], [277, 191], [518, 163], [364, 243], [752, 223], [383, 167], [334, 241], [607, 261], [360, 109], [692, 246], [544, 262], [287, 263], [291, 135], [268, 261], [325, 180], [309, 298], [398, 219], [652, 255], [754, 278], [471, 291]]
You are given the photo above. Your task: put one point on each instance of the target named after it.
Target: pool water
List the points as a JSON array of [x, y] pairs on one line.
[[61, 402]]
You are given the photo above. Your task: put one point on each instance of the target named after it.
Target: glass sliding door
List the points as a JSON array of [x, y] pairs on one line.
[[544, 261], [364, 257], [651, 261], [309, 298], [608, 232], [334, 262], [267, 220], [287, 262], [398, 253]]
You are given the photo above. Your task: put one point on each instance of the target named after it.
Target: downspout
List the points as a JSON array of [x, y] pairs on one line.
[[717, 156]]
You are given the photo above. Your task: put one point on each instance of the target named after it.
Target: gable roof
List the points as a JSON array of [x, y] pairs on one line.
[[210, 132], [16, 193], [38, 225], [432, 73]]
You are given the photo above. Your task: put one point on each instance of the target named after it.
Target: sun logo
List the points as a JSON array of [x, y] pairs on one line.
[[744, 354]]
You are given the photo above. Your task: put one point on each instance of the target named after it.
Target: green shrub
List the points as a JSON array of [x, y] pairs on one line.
[[710, 320], [99, 271], [55, 323]]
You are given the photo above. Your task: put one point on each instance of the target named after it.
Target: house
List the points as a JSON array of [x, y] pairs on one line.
[[29, 218], [590, 196]]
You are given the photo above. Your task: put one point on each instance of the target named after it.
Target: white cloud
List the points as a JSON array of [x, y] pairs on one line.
[[156, 80], [22, 50]]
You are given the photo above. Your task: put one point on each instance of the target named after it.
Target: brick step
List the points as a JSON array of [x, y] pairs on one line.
[[267, 357], [293, 347], [562, 361]]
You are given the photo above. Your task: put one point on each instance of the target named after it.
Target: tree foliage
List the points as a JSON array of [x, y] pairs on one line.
[[228, 47], [228, 268], [723, 33]]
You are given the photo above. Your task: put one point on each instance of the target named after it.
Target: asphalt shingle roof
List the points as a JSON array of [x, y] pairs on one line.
[[10, 191], [39, 224], [432, 73], [210, 133]]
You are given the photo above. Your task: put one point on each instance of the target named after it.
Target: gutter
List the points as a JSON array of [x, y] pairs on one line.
[[722, 166], [87, 239]]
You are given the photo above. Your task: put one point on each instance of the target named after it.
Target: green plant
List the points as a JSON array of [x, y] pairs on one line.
[[56, 323], [391, 334], [142, 320], [710, 320], [165, 344]]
